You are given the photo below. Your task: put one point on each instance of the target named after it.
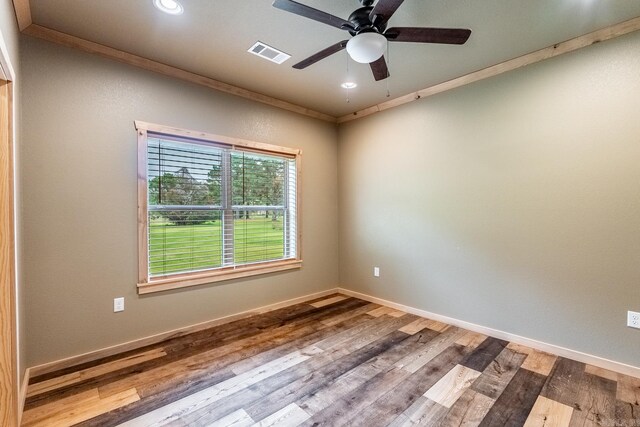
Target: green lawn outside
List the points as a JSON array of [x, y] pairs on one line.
[[177, 248]]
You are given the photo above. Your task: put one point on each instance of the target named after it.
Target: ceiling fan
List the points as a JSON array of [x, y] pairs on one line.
[[368, 26]]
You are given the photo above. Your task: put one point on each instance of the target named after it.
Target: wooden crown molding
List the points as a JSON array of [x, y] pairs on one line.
[[604, 34], [68, 40], [23, 13]]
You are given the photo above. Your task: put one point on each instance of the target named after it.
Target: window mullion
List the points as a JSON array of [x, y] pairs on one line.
[[286, 217], [189, 232], [227, 215]]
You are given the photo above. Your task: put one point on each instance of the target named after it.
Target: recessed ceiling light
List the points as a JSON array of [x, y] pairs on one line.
[[349, 85], [172, 7]]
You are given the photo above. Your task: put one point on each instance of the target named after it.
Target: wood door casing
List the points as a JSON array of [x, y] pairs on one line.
[[8, 351]]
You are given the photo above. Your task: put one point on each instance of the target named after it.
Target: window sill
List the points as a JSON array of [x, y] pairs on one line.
[[185, 280]]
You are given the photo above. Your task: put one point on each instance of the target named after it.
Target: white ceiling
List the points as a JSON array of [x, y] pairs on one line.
[[212, 36]]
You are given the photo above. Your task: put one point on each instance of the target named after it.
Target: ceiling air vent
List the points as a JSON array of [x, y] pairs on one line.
[[268, 52]]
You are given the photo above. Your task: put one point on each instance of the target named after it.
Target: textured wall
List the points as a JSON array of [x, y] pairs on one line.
[[512, 203], [78, 170]]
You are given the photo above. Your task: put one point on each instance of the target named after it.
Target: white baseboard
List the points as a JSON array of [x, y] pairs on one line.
[[132, 345], [600, 362], [142, 342]]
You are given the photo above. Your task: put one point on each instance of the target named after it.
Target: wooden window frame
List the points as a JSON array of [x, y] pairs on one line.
[[147, 284]]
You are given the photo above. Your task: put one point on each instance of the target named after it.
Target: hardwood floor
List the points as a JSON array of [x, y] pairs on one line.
[[332, 362]]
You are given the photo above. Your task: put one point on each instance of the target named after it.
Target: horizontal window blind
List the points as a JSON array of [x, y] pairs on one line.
[[212, 207]]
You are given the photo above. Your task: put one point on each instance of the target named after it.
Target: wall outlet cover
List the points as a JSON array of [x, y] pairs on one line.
[[118, 304], [633, 319]]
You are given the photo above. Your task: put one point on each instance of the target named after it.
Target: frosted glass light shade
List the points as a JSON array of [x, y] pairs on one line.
[[366, 47], [172, 7]]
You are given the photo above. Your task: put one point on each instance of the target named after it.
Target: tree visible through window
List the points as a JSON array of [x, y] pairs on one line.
[[212, 206]]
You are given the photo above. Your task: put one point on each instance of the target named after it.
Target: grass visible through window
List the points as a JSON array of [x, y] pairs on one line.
[[198, 246]]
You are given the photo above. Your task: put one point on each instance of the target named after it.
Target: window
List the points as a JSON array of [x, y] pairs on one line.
[[213, 208]]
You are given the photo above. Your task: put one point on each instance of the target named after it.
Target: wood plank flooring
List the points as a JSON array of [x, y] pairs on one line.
[[335, 361]]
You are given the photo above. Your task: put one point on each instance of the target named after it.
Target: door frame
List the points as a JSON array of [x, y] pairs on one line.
[[9, 372]]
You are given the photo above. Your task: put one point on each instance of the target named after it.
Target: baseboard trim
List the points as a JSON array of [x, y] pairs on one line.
[[600, 362], [23, 394], [154, 339]]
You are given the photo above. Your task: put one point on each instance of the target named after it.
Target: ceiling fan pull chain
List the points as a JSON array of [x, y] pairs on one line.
[[348, 77], [367, 26], [347, 56], [389, 62]]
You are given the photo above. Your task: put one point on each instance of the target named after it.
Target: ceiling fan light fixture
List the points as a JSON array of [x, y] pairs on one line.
[[172, 7], [366, 47]]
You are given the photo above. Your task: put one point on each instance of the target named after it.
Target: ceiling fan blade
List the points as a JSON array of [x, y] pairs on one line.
[[311, 13], [379, 69], [383, 10], [321, 55], [428, 35]]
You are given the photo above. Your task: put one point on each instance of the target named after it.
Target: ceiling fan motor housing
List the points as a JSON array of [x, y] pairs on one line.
[[362, 24], [367, 26]]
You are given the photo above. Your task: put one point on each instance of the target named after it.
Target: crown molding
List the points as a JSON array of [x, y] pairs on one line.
[[589, 39], [23, 13], [87, 46]]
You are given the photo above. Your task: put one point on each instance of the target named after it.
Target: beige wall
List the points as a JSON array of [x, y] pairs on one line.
[[79, 210], [512, 203]]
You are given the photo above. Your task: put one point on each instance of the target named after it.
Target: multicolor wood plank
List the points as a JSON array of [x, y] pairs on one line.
[[333, 361]]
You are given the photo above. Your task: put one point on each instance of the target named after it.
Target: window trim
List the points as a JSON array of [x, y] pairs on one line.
[[146, 284]]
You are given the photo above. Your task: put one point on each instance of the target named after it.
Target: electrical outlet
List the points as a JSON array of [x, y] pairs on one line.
[[118, 304], [376, 271], [633, 319]]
